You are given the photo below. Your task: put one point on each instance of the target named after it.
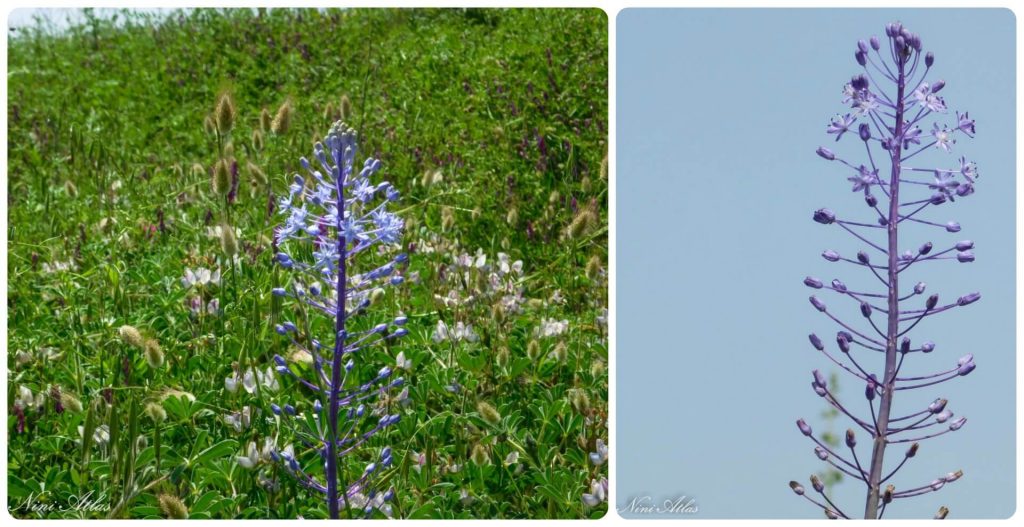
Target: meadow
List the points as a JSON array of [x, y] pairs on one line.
[[140, 257]]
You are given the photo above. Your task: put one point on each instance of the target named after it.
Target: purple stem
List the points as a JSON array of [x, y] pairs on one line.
[[331, 466], [889, 380]]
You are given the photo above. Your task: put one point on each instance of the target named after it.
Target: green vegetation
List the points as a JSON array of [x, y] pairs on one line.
[[492, 124]]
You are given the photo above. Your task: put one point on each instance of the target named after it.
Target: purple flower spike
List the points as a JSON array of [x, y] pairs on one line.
[[897, 115], [335, 216]]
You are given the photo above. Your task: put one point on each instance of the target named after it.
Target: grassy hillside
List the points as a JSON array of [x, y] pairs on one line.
[[493, 126]]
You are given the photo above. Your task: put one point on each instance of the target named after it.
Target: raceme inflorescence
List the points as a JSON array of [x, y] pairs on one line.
[[332, 221], [892, 102]]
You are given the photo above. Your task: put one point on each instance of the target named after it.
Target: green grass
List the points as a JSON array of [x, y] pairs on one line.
[[106, 137]]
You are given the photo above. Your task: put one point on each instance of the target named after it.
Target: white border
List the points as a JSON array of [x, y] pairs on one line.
[[611, 8]]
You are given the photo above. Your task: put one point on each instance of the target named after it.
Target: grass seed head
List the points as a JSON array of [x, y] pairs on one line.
[[447, 218], [70, 402], [209, 126], [593, 269], [257, 140], [225, 113], [533, 349], [130, 335], [502, 356], [156, 412], [228, 241], [480, 456], [283, 119], [172, 507], [154, 355], [221, 181], [265, 120], [346, 108], [488, 412]]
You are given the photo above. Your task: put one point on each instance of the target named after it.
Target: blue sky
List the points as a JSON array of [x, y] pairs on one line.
[[719, 113]]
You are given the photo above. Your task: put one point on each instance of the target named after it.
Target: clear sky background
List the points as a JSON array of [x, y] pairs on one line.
[[719, 113]]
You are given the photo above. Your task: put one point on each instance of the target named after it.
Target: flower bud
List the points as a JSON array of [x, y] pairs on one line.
[[863, 258], [952, 227], [865, 309], [824, 216], [919, 288], [875, 44], [937, 406], [964, 245], [830, 255], [928, 346], [905, 345], [861, 58], [966, 368], [797, 488], [812, 282], [859, 82], [817, 303], [864, 131], [929, 59], [958, 424], [870, 390], [938, 85], [826, 153], [819, 379], [805, 429], [862, 46], [968, 299], [943, 416], [851, 439], [872, 201], [931, 302], [925, 249], [817, 484], [816, 342], [965, 256], [912, 451], [821, 453], [843, 339], [943, 512], [887, 495]]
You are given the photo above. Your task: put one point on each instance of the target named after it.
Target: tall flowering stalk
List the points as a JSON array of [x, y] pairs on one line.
[[890, 101], [332, 220]]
